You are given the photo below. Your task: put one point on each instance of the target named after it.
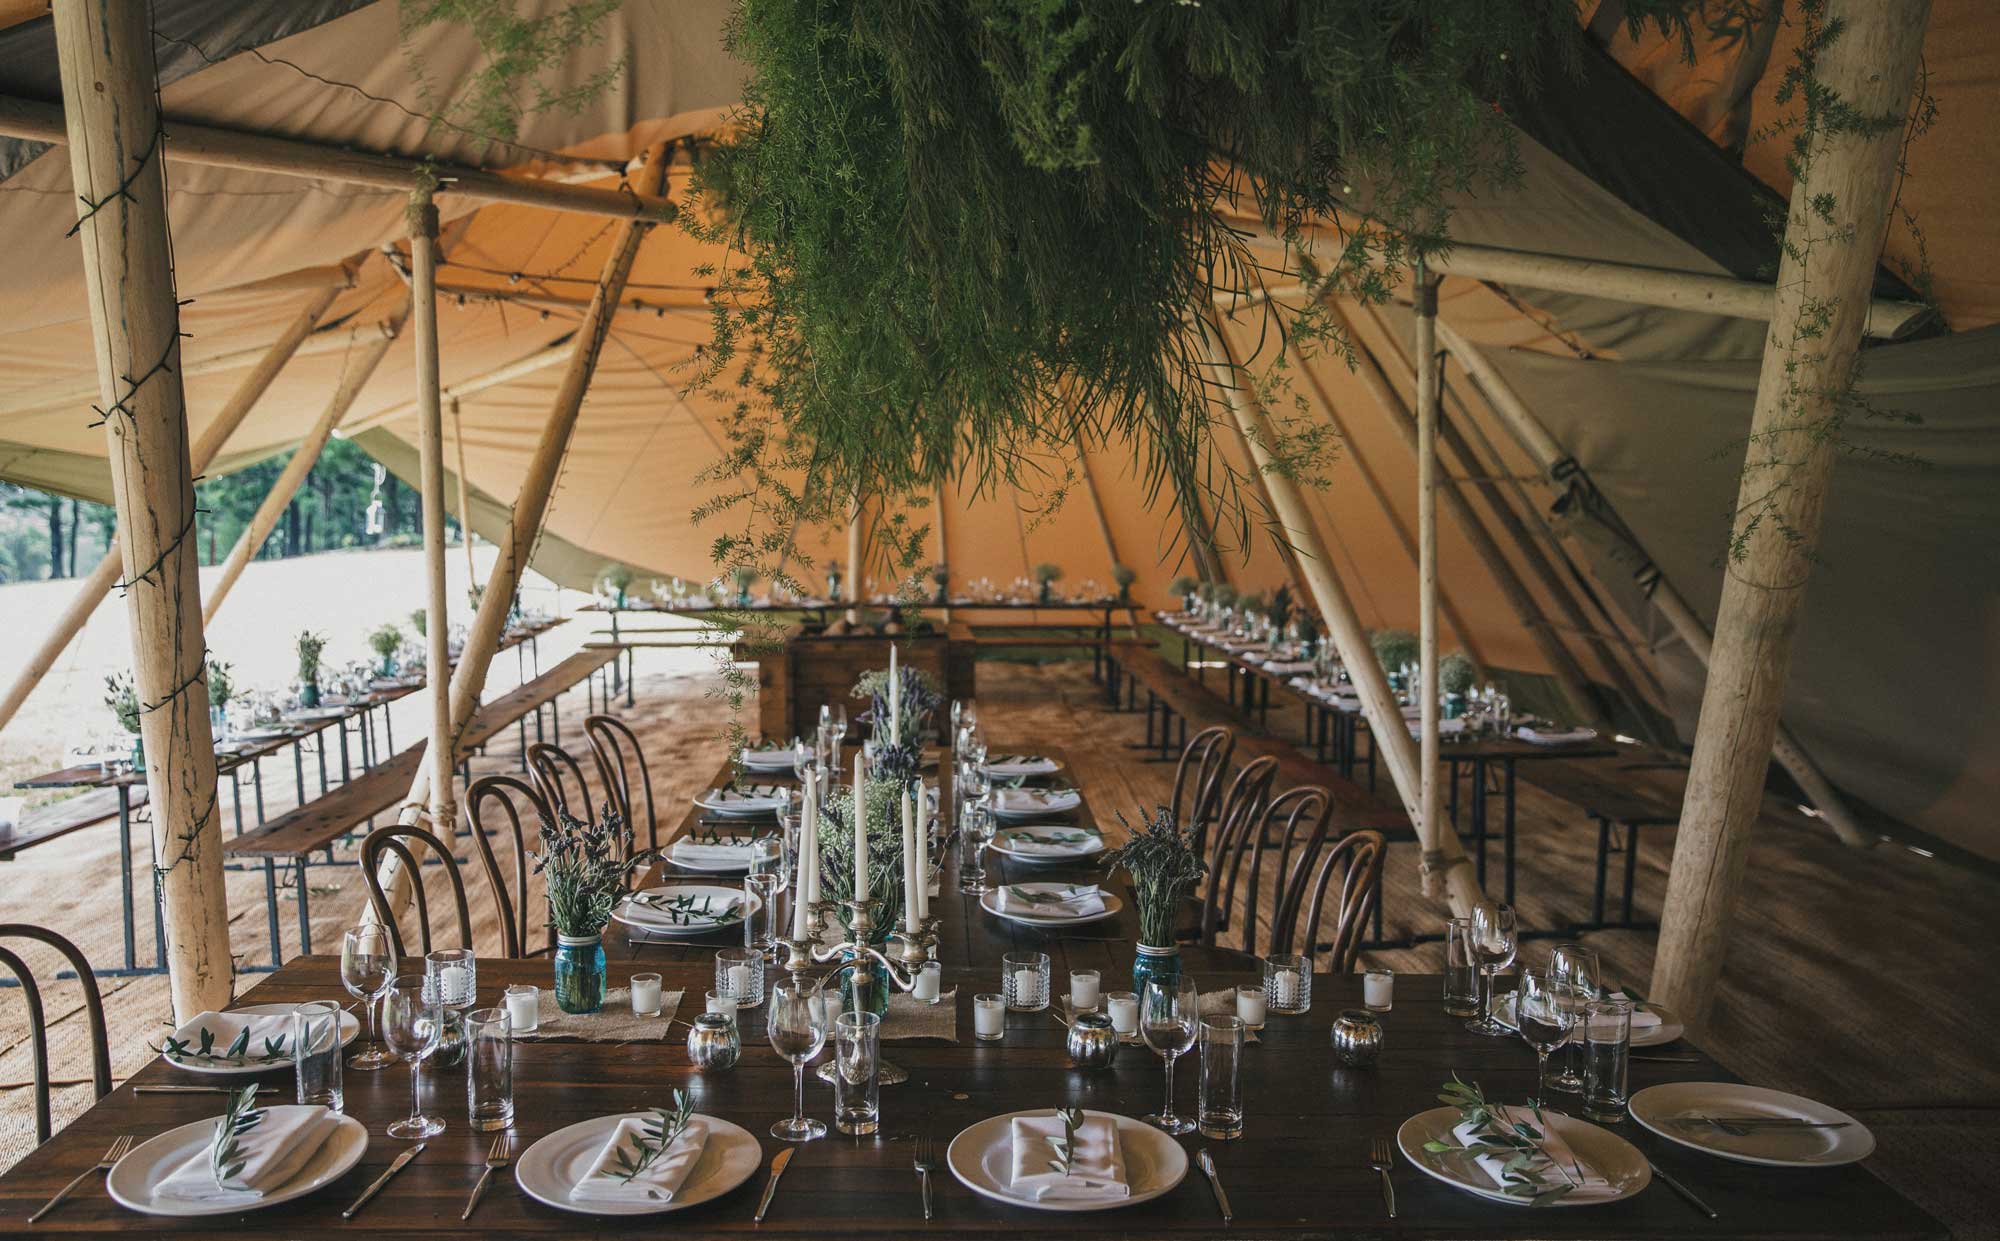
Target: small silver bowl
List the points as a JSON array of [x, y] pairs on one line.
[[1357, 1038], [713, 1042], [1092, 1043]]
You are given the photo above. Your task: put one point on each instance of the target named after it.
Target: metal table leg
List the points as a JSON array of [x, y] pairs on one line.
[[1507, 822], [125, 875], [305, 908]]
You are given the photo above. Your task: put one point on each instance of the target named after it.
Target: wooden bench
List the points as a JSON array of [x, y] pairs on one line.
[[1596, 789], [53, 822], [293, 837]]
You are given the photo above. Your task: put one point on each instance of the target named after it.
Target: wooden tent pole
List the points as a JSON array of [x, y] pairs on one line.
[[430, 473], [1559, 466], [105, 52], [1351, 448], [482, 639], [464, 495], [1444, 861], [1838, 214], [1287, 555], [854, 561], [265, 519], [1568, 673], [1425, 288], [98, 582]]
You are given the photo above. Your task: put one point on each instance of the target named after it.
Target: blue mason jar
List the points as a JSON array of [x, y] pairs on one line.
[[580, 975], [1162, 963], [864, 987]]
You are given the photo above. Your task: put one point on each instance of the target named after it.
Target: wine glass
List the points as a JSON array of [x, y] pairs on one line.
[[839, 730], [367, 963], [1169, 1012], [1575, 967], [412, 1023], [1494, 943], [973, 839], [1545, 1011], [798, 1030]]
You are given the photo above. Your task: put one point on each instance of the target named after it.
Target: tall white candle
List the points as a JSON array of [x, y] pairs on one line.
[[802, 890], [922, 890], [860, 831], [910, 884], [895, 699]]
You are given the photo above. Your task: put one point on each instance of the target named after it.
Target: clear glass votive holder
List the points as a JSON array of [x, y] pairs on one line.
[[760, 911], [1378, 990], [928, 984], [1219, 1107], [739, 974], [1287, 984], [451, 978], [316, 1053], [1024, 978], [524, 1007], [1607, 1053], [1250, 1006], [857, 1080], [719, 1003], [1124, 1009], [989, 1018], [1085, 990], [645, 991], [1461, 970], [489, 1068]]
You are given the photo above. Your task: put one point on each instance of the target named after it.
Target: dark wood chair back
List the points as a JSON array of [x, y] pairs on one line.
[[389, 839], [1242, 811], [1293, 825], [508, 804], [38, 1025], [560, 779], [616, 749], [1355, 860], [1198, 779]]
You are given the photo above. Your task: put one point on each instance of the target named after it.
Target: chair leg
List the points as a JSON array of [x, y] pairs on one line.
[[1603, 855], [1631, 864]]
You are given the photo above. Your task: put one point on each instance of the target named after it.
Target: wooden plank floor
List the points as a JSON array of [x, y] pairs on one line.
[[1863, 978]]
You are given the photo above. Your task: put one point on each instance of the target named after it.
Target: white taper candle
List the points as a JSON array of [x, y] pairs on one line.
[[860, 830]]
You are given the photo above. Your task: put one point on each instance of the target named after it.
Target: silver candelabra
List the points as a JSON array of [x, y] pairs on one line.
[[908, 951]]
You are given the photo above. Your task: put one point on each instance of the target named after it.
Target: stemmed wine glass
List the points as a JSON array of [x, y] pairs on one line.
[[1494, 943], [798, 1030], [1169, 1012], [1575, 968], [976, 832], [367, 963], [1546, 1013], [839, 732], [412, 1023]]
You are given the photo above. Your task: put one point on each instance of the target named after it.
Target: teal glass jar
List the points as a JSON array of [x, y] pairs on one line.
[[864, 986], [580, 973], [1151, 963]]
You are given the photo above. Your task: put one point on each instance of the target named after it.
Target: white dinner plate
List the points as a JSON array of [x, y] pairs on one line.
[[1658, 1107], [991, 904], [982, 1158], [547, 1170], [1008, 766], [1669, 1029], [708, 868], [132, 1179], [772, 760], [1003, 843], [736, 804], [350, 1026], [1017, 804], [654, 921], [1607, 1154]]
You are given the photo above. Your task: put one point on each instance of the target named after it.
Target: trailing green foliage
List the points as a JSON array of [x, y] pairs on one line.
[[518, 51]]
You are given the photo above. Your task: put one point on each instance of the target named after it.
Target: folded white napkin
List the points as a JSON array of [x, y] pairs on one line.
[[1445, 727], [1081, 900], [228, 1027], [1642, 1019], [1021, 765], [1283, 666], [661, 1180], [1558, 1152], [771, 760], [756, 797], [726, 851], [1036, 801], [1097, 1168], [1553, 736], [273, 1152], [1032, 842]]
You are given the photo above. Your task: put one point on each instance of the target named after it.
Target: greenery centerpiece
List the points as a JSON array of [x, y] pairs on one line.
[[121, 694], [1187, 590], [310, 645], [385, 641], [1395, 650], [1123, 576], [743, 576], [616, 580], [1279, 611], [1046, 577], [221, 688], [420, 622], [940, 584], [585, 867], [922, 696], [1455, 676], [865, 986], [1165, 863]]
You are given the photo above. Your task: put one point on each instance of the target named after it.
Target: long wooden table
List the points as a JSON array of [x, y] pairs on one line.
[[1300, 1169]]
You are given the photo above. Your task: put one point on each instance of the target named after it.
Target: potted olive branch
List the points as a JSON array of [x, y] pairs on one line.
[[122, 696], [1124, 576], [385, 641], [221, 688], [1165, 864], [309, 646], [585, 867], [1455, 677], [1046, 577]]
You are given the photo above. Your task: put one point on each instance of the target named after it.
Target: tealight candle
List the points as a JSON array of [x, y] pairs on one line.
[[645, 995], [989, 1018], [1287, 983], [1083, 989], [1378, 990], [524, 1008], [739, 981], [1250, 1006], [723, 1004], [1124, 1006], [925, 985]]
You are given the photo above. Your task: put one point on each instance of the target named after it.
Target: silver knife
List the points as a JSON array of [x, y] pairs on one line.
[[1683, 1191], [1215, 1183], [180, 1090], [382, 1180], [778, 1163]]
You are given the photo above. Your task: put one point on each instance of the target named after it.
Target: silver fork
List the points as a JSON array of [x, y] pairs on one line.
[[112, 1156], [497, 1157], [926, 1163], [1378, 1159]]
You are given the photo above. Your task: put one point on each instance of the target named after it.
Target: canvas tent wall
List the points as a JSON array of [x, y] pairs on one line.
[[1646, 399]]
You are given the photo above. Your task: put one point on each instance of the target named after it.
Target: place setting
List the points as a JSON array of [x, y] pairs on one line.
[[1020, 805], [686, 909], [638, 1163], [724, 850], [1041, 844], [745, 800], [1052, 904]]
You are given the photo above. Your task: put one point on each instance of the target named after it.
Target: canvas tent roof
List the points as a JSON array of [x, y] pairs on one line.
[[1895, 669]]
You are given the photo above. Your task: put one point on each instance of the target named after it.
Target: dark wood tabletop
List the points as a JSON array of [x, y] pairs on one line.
[[1299, 1170]]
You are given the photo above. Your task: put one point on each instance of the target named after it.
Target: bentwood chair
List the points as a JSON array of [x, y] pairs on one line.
[[489, 803], [616, 749], [1355, 862], [1294, 827], [1242, 811], [560, 779], [1198, 779], [38, 1026], [389, 839]]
